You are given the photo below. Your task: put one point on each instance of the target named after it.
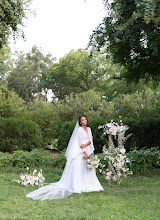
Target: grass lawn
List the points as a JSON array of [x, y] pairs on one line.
[[138, 197]]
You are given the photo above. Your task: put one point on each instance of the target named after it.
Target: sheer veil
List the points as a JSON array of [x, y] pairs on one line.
[[62, 188], [73, 148]]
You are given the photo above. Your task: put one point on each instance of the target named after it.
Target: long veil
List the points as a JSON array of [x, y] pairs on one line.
[[62, 188]]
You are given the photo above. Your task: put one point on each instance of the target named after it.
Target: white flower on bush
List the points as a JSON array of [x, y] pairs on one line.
[[26, 179]]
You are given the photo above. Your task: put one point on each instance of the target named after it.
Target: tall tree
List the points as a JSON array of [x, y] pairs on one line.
[[28, 76], [130, 32], [78, 72]]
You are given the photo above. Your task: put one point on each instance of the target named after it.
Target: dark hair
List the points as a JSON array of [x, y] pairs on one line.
[[80, 119]]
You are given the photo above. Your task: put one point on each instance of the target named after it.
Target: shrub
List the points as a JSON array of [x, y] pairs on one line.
[[145, 132], [35, 158], [11, 105], [45, 116], [144, 160], [16, 134]]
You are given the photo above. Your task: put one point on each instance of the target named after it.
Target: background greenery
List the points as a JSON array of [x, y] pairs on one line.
[[117, 80]]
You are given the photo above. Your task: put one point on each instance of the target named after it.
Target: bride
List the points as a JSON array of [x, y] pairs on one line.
[[76, 177]]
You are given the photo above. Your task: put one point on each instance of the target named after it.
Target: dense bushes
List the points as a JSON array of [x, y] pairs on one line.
[[43, 114], [144, 160], [16, 134], [144, 132], [65, 134], [35, 158]]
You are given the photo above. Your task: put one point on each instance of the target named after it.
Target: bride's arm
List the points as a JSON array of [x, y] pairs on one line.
[[85, 145]]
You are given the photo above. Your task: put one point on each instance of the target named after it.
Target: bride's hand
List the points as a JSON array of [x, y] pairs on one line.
[[85, 156], [83, 146]]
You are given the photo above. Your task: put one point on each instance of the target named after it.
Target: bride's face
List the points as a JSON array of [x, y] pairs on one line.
[[83, 121]]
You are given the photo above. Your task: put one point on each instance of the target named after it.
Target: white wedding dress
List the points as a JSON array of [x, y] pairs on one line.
[[76, 177]]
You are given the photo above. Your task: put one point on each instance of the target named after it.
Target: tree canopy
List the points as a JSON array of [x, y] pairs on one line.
[[78, 72], [12, 14], [28, 76], [131, 33]]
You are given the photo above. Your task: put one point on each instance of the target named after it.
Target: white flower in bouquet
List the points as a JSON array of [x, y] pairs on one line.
[[122, 151], [92, 161]]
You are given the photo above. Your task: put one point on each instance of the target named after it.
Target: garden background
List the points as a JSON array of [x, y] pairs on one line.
[[115, 78]]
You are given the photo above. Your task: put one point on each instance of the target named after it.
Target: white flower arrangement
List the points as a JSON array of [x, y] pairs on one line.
[[113, 128], [36, 179], [93, 161], [117, 159]]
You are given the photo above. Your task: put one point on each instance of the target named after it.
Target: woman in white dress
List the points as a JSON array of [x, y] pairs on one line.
[[76, 177]]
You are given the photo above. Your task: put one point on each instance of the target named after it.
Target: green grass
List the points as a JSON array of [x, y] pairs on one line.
[[138, 197]]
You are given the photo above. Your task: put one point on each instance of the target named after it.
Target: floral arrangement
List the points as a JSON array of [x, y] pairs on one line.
[[93, 161], [117, 160], [36, 179]]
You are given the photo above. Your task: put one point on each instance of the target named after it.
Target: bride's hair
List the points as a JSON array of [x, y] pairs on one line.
[[80, 119]]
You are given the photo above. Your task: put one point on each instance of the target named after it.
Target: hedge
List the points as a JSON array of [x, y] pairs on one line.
[[18, 134], [145, 134]]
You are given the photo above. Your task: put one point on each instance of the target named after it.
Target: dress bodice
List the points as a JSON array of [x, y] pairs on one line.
[[84, 138]]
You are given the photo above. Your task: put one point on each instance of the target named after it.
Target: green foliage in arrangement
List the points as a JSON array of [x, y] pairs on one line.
[[143, 161], [16, 134]]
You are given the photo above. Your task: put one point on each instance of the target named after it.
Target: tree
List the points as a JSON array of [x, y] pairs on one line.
[[11, 105], [90, 103], [130, 32], [5, 63], [12, 14], [43, 114], [78, 72], [28, 77]]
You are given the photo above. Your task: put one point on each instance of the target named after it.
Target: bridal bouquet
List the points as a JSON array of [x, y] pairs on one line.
[[93, 161], [36, 179]]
